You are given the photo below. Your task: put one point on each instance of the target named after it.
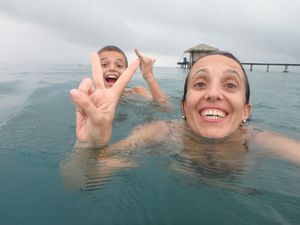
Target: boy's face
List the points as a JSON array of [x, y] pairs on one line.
[[113, 65]]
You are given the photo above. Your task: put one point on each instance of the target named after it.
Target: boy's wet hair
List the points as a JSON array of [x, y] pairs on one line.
[[112, 48], [231, 56]]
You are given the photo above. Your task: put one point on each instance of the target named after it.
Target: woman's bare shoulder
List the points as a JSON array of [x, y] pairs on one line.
[[282, 145]]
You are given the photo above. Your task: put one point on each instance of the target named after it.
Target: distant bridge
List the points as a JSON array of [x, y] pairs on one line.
[[185, 64], [286, 65]]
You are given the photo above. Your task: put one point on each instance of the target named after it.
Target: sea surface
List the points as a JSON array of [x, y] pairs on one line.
[[39, 187]]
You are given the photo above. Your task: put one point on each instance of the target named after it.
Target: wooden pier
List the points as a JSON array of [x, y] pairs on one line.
[[285, 65], [184, 65], [195, 53]]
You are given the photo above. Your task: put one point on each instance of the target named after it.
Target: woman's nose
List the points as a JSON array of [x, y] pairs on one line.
[[214, 94]]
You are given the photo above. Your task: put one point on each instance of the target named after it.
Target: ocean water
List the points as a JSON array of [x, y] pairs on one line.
[[37, 135]]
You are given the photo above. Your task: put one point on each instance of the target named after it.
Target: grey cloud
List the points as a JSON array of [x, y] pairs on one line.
[[169, 27]]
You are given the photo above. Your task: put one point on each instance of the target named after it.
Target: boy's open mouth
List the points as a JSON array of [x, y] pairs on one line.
[[111, 79]]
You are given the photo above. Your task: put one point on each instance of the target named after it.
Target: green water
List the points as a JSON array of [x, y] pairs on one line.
[[37, 134]]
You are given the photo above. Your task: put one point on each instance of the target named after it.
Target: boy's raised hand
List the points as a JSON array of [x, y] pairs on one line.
[[96, 105]]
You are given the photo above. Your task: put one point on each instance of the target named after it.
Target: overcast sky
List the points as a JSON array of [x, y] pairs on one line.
[[67, 31]]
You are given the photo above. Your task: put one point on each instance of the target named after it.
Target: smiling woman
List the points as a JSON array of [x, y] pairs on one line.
[[216, 96]]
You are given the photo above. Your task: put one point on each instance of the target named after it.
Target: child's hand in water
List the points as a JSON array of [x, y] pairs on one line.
[[96, 105]]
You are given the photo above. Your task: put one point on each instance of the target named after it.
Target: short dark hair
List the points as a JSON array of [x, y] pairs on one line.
[[229, 55], [112, 48]]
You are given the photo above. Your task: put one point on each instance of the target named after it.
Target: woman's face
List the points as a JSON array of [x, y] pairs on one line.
[[215, 100], [113, 65]]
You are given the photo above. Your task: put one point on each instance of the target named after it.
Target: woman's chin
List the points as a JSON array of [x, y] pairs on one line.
[[212, 134]]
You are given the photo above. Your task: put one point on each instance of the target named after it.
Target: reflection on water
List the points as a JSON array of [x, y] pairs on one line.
[[84, 170], [210, 162], [193, 167]]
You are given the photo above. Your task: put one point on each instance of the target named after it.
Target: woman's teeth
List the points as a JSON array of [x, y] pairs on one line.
[[213, 113]]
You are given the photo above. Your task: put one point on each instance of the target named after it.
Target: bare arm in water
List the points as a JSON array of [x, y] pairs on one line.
[[279, 144], [158, 132], [148, 134]]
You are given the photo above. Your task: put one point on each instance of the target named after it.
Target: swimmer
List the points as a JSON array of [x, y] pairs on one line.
[[113, 62]]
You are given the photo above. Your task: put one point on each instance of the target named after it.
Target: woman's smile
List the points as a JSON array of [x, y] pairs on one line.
[[212, 114]]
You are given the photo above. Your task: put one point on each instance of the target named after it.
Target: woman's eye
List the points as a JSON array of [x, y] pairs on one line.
[[230, 85], [199, 85]]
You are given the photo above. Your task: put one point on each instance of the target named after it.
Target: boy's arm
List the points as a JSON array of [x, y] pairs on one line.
[[146, 66]]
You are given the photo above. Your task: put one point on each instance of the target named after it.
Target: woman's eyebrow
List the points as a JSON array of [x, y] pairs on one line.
[[202, 70], [233, 72]]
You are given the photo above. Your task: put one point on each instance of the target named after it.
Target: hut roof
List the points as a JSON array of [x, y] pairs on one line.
[[201, 48]]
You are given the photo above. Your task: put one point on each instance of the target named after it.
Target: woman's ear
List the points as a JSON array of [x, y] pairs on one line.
[[247, 111], [182, 109]]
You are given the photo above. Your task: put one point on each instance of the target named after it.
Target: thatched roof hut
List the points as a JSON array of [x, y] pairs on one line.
[[198, 51]]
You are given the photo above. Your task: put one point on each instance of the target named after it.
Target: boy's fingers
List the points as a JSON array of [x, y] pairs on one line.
[[97, 71], [86, 86], [124, 79], [82, 102], [137, 52]]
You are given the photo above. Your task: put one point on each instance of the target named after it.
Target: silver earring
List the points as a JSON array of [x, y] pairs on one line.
[[244, 121], [183, 117]]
